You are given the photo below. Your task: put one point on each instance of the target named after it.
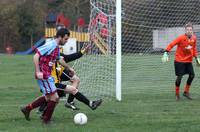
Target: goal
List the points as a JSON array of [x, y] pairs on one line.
[[132, 56]]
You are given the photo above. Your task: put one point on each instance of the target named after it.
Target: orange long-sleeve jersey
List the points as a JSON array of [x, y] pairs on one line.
[[186, 48]]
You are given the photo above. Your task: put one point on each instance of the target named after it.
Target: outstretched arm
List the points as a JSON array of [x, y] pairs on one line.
[[165, 56], [173, 43], [72, 57]]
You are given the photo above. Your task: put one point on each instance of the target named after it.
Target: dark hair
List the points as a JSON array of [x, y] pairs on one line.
[[189, 24], [62, 32]]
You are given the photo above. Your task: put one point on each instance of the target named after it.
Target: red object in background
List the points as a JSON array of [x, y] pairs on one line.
[[93, 23], [9, 50], [104, 32], [66, 22], [62, 20], [81, 22], [102, 18]]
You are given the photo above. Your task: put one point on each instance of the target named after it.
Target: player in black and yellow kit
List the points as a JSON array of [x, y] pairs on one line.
[[61, 74]]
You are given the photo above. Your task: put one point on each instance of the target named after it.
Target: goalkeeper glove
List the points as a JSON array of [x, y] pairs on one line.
[[85, 50], [197, 61], [165, 57]]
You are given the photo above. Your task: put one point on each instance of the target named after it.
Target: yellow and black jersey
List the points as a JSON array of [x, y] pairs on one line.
[[57, 69]]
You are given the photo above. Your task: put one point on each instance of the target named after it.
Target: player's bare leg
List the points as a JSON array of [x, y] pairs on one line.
[[70, 101]]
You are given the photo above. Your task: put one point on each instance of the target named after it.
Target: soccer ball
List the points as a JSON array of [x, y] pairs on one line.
[[80, 119]]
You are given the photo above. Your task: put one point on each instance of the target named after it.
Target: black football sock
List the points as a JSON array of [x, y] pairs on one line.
[[178, 81], [79, 96], [70, 98], [190, 79]]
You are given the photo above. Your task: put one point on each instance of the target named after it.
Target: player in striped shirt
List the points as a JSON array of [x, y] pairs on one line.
[[44, 60]]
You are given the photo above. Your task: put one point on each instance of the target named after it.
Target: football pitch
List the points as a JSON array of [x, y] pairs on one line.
[[148, 101]]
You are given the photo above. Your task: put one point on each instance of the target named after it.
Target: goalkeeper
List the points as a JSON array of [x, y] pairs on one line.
[[185, 51], [60, 74]]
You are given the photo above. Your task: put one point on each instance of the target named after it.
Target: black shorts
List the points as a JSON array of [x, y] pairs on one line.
[[66, 75], [182, 68], [60, 89]]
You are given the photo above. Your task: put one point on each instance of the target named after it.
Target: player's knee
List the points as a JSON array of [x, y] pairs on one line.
[[76, 79], [191, 76], [54, 97], [179, 77], [73, 90], [57, 100], [178, 80]]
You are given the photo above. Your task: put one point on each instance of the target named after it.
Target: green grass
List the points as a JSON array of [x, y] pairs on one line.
[[148, 103]]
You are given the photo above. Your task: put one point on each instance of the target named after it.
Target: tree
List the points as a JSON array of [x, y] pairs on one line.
[[26, 22], [8, 26]]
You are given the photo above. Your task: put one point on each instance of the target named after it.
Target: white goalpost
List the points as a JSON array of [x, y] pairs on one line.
[[118, 50]]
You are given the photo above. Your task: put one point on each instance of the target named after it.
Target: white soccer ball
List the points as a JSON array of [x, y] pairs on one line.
[[80, 119]]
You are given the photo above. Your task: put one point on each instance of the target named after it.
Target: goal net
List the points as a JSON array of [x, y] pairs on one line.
[[97, 69], [147, 27]]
